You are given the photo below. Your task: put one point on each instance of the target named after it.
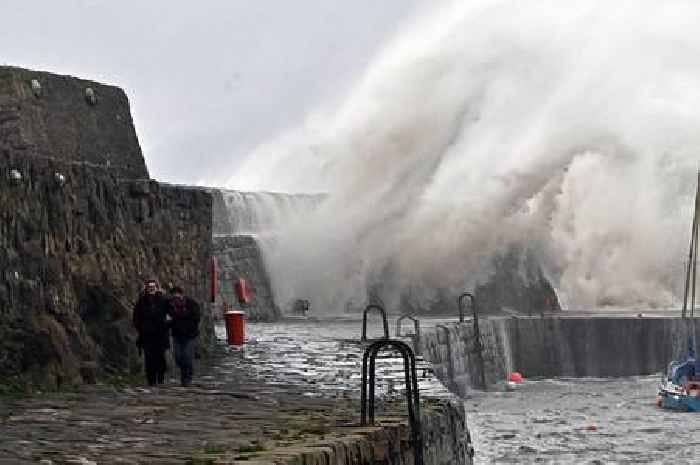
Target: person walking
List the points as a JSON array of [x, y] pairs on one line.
[[184, 326], [149, 319]]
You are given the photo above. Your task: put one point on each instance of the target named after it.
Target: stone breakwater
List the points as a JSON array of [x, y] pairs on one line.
[[241, 257], [290, 397], [572, 346]]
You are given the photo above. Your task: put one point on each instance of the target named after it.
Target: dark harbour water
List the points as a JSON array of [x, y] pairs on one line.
[[587, 421]]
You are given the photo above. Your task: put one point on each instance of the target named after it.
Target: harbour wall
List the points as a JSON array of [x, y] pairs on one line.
[[240, 256], [445, 442], [555, 346], [81, 227]]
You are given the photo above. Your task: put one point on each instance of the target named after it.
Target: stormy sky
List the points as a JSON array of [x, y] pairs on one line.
[[208, 81]]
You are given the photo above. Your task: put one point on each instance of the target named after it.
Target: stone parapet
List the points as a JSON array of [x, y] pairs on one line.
[[53, 116]]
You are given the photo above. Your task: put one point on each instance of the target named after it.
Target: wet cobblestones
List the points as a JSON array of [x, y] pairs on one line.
[[293, 383], [321, 360]]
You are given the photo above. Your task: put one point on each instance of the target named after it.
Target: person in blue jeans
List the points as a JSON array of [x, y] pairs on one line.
[[184, 316]]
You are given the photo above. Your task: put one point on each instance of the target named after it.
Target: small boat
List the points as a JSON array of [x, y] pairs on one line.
[[680, 388]]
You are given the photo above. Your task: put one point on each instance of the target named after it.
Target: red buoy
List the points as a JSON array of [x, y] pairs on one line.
[[235, 327], [515, 377]]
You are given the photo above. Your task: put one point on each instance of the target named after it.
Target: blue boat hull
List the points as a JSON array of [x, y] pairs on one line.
[[680, 402]]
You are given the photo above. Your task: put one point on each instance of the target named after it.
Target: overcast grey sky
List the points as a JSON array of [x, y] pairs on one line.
[[207, 80]]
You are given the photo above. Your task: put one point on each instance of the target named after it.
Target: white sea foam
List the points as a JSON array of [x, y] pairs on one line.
[[569, 128]]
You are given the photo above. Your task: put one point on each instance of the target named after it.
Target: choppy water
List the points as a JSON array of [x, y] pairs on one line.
[[593, 421], [587, 421]]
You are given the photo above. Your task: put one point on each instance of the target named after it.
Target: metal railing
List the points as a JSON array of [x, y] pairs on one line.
[[384, 321], [478, 346], [412, 392]]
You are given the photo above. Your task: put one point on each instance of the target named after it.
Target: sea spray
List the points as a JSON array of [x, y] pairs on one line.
[[566, 129]]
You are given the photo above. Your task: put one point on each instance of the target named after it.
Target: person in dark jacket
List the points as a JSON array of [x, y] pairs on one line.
[[150, 314], [184, 326]]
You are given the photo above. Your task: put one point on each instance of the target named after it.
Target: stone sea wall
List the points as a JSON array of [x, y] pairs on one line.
[[451, 350], [556, 346], [78, 235], [240, 257], [240, 220], [73, 256], [388, 443]]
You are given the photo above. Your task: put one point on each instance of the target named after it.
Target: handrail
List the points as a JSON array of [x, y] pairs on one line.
[[412, 392], [384, 321], [478, 347]]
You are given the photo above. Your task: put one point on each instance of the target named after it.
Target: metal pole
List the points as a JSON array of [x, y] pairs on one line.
[[693, 251], [695, 267], [363, 389]]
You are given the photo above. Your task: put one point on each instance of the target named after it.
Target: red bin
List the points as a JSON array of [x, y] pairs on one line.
[[235, 327]]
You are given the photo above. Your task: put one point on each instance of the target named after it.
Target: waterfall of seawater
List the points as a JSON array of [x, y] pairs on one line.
[[265, 213], [504, 339], [265, 216]]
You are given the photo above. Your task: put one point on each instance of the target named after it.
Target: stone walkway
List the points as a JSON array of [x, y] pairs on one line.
[[278, 393]]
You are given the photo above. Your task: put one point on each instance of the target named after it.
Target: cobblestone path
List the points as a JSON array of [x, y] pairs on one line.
[[291, 385]]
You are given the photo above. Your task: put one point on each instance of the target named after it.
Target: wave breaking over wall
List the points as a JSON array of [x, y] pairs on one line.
[[568, 131], [259, 213]]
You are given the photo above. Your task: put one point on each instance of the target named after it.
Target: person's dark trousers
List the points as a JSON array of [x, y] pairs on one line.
[[154, 359], [183, 351]]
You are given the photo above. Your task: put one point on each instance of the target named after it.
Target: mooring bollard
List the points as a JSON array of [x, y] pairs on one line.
[[235, 328]]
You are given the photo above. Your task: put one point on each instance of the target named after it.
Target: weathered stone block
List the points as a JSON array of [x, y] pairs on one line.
[[61, 124]]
